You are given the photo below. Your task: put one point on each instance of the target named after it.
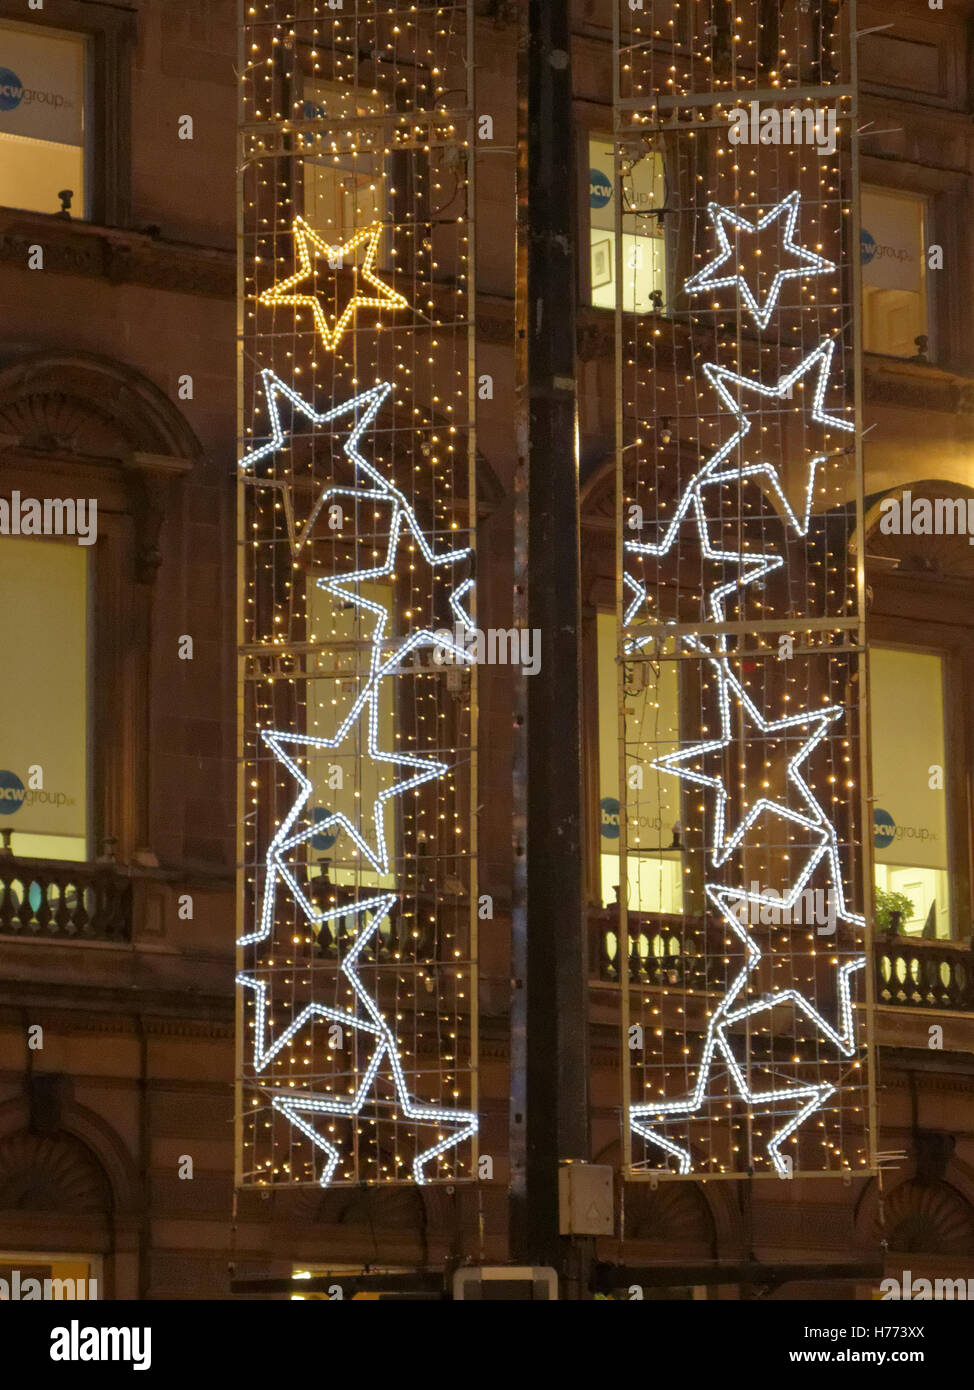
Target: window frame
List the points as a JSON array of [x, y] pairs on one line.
[[947, 202], [588, 131], [91, 696], [110, 32], [904, 633], [944, 655], [929, 321]]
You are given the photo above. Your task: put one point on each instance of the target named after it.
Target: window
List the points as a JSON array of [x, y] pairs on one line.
[[44, 700], [654, 868], [348, 632], [54, 1276], [43, 119], [894, 282], [910, 806], [643, 253], [344, 180]]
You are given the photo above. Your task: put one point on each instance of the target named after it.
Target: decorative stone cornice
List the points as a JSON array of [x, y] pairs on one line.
[[121, 257], [917, 386]]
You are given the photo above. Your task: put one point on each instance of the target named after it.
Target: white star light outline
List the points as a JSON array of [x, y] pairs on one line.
[[710, 474], [728, 901], [715, 1043], [372, 400], [809, 1098], [382, 489], [377, 854], [810, 262], [337, 587], [819, 720], [382, 663], [294, 1107], [720, 378]]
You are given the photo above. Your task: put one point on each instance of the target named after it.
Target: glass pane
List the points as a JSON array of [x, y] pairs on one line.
[[643, 258], [910, 815], [44, 712], [654, 869], [333, 771], [42, 119], [893, 272], [344, 183]]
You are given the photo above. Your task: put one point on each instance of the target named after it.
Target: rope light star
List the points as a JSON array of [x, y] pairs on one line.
[[309, 247], [359, 727], [818, 722], [806, 1099], [721, 378], [384, 1060], [808, 262], [712, 474], [364, 408], [743, 1000]]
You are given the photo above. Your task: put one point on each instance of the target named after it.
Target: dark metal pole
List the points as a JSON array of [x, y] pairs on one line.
[[549, 1032]]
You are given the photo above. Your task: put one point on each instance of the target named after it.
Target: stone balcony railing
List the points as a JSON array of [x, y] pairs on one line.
[[909, 972], [916, 974], [51, 899], [659, 950]]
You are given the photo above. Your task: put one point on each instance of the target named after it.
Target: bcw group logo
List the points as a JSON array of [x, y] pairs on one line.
[[599, 188], [872, 250], [12, 793], [610, 818], [886, 830], [11, 90]]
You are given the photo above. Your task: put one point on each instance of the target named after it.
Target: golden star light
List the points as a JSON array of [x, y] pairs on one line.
[[309, 248]]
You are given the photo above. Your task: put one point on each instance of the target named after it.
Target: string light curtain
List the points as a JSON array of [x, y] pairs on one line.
[[357, 991], [743, 945]]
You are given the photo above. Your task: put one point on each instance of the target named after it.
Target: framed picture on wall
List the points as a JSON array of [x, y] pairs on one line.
[[601, 263]]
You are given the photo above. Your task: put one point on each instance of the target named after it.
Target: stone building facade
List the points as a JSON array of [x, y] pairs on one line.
[[117, 383]]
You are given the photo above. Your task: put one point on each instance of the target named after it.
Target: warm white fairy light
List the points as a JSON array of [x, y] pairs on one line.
[[750, 996], [353, 196], [809, 262], [385, 1057], [308, 248]]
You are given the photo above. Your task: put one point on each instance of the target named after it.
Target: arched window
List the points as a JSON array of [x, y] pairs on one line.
[[89, 466]]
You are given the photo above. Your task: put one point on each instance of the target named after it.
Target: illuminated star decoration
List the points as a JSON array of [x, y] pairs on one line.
[[369, 401], [648, 1118], [306, 240], [819, 721], [381, 664], [711, 474], [364, 407], [295, 1106], [805, 1099], [385, 662], [809, 262]]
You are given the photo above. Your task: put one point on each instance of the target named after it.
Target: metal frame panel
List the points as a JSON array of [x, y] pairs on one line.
[[746, 1037], [357, 1013]]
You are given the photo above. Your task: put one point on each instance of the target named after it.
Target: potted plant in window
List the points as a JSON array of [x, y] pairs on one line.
[[892, 910]]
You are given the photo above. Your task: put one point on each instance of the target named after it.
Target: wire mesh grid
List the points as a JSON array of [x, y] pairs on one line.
[[740, 676], [357, 949]]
